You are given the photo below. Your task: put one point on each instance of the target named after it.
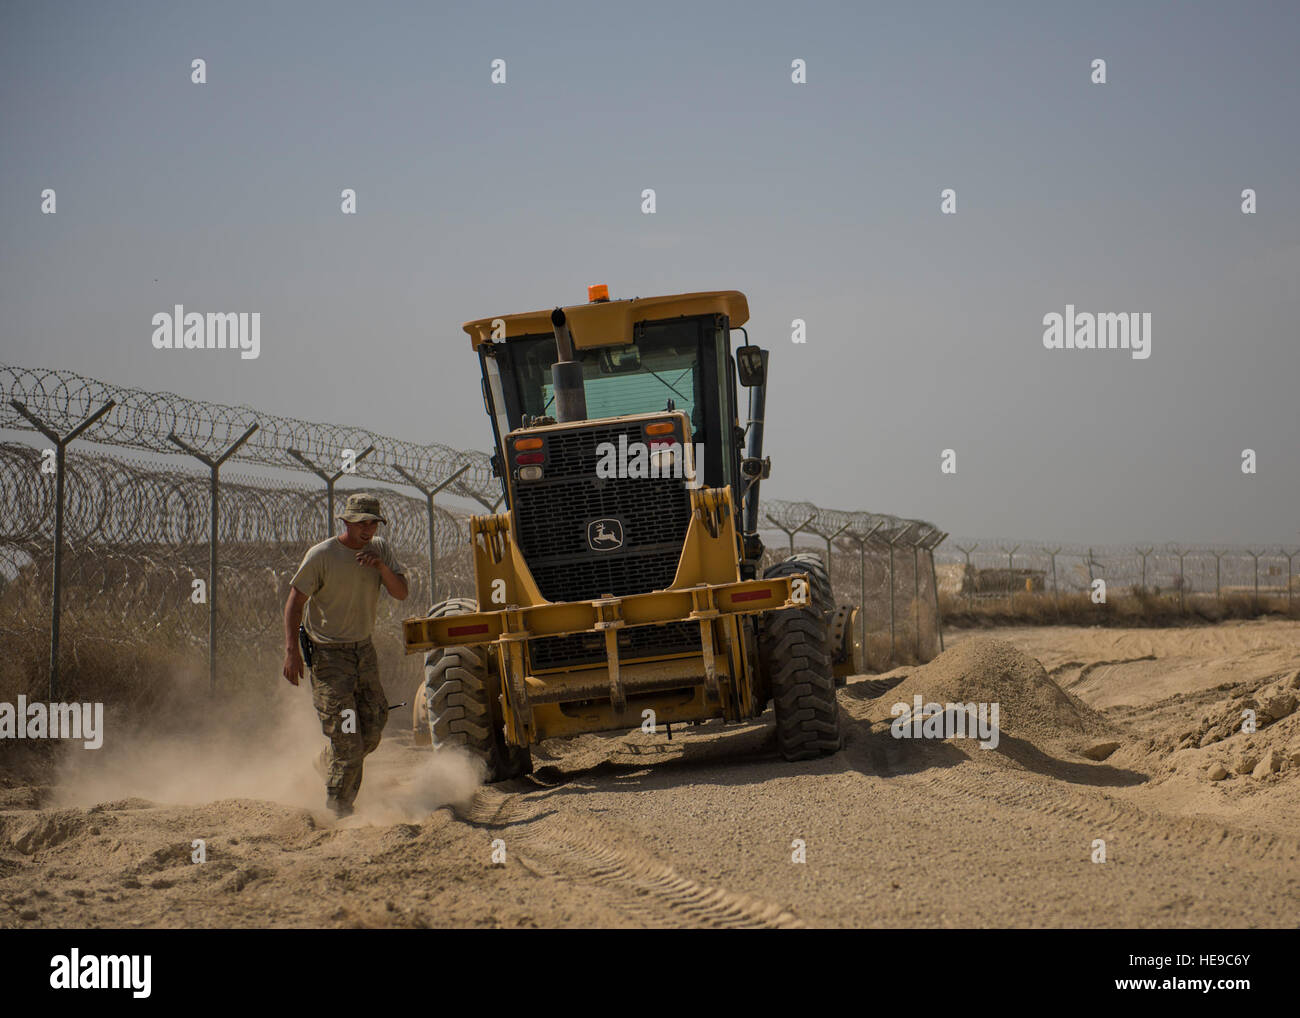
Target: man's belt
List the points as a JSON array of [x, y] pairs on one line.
[[355, 645]]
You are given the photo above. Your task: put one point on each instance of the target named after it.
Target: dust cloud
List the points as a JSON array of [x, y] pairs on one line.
[[209, 751]]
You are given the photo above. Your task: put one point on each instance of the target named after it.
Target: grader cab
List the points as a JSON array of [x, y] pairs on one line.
[[620, 584]]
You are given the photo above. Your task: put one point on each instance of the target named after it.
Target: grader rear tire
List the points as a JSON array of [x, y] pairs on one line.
[[795, 647], [794, 651], [459, 687], [818, 578], [822, 598]]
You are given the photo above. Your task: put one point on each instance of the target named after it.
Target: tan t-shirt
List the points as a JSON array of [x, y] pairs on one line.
[[343, 594]]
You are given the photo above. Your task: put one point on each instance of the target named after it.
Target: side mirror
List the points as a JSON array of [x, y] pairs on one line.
[[751, 365]]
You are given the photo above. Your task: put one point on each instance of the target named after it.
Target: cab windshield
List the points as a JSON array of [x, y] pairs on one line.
[[661, 365]]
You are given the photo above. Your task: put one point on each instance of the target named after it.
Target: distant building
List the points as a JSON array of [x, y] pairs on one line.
[[955, 578], [999, 581]]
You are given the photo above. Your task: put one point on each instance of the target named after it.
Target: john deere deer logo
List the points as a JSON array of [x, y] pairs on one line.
[[605, 535]]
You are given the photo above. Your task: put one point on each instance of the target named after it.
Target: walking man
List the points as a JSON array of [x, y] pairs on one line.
[[339, 582]]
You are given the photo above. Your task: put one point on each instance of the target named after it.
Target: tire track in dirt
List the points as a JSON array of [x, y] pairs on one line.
[[1043, 796], [1086, 668], [1038, 778], [655, 891]]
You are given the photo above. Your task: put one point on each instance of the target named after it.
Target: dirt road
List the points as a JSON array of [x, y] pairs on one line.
[[706, 829]]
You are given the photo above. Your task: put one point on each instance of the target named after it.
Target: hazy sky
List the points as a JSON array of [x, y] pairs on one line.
[[820, 201]]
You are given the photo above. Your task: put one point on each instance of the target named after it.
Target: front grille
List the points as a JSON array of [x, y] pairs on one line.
[[554, 515], [633, 642]]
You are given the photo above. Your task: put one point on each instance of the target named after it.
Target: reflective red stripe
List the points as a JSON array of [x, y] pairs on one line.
[[752, 595], [467, 630]]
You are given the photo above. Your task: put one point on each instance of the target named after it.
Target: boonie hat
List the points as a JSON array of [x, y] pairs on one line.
[[361, 508]]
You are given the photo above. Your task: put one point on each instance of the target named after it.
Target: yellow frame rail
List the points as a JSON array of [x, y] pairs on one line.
[[745, 597]]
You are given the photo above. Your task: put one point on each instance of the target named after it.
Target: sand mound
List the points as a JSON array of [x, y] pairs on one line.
[[983, 671], [1220, 746]]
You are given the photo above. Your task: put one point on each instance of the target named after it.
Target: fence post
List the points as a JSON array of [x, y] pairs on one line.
[[788, 532], [970, 575], [862, 584], [329, 480], [214, 470], [428, 494], [895, 540], [1218, 584], [934, 582], [56, 594], [916, 587], [489, 506], [1255, 555], [1011, 556], [829, 575], [1289, 556], [1182, 580], [862, 597], [891, 604], [1144, 552], [1056, 597]]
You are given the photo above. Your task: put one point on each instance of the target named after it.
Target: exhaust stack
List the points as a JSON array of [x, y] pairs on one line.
[[566, 374]]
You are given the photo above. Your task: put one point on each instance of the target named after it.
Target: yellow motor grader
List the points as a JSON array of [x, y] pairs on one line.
[[621, 584]]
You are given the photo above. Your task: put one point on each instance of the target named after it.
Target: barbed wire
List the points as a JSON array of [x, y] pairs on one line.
[[112, 501], [143, 420], [134, 534], [879, 529], [996, 544], [136, 541], [1005, 563]]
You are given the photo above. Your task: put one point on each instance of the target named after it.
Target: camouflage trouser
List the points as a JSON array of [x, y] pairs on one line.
[[347, 679]]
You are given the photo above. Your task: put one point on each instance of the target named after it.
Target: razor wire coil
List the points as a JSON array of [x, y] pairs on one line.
[[144, 421]]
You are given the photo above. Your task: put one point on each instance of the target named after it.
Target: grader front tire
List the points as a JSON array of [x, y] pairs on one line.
[[459, 686]]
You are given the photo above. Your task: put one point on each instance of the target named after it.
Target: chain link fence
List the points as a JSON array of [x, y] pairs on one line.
[[1009, 571], [142, 559], [65, 407], [58, 403], [135, 566], [882, 564]]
